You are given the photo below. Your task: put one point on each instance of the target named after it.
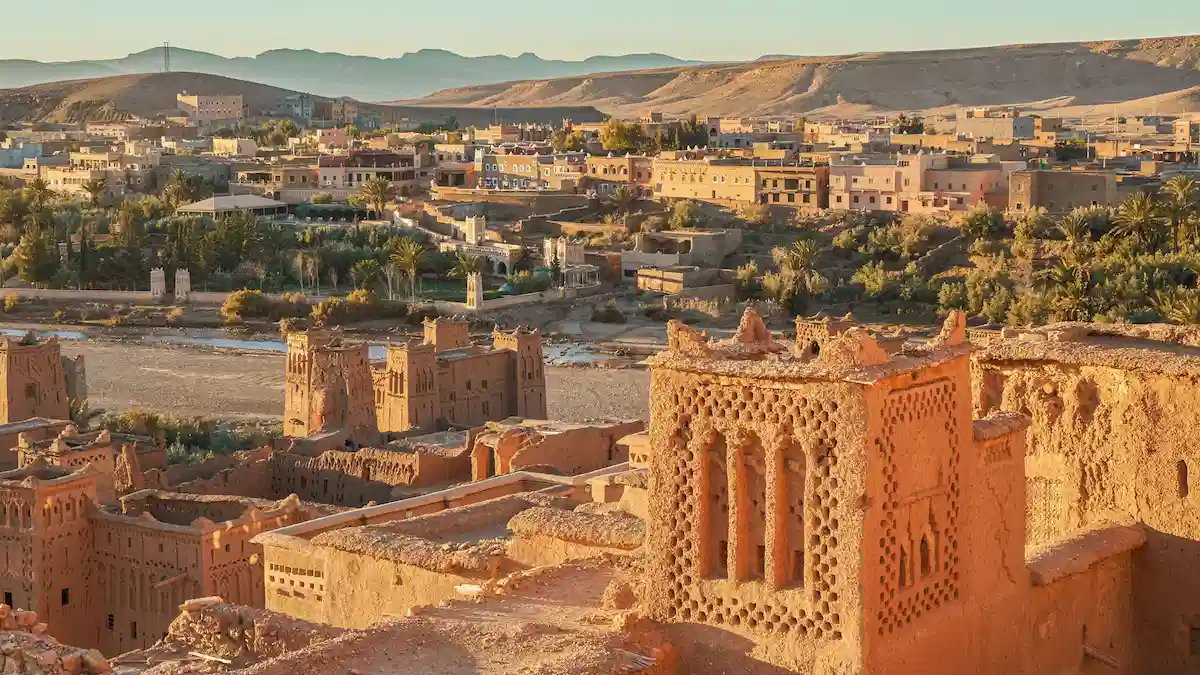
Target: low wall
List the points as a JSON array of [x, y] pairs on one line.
[[509, 301], [542, 202]]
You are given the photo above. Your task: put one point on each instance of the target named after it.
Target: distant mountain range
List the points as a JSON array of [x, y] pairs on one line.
[[1071, 79], [331, 74]]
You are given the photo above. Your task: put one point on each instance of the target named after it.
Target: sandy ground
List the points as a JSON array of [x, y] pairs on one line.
[[198, 382]]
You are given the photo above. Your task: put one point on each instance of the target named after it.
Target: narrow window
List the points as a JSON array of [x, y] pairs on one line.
[[903, 568], [133, 629], [66, 597], [760, 561], [8, 599], [925, 562], [1181, 468], [112, 621]]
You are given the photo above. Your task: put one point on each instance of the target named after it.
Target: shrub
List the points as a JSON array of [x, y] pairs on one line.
[[873, 278], [244, 304], [608, 314], [12, 303], [175, 315]]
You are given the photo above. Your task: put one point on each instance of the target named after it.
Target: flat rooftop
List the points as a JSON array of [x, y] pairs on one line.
[[1166, 350]]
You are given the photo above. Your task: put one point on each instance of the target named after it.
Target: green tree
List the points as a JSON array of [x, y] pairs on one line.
[[567, 141], [1139, 217], [365, 273], [95, 188], [465, 265], [684, 214], [39, 192], [1076, 228], [408, 256], [904, 124], [617, 136], [1179, 305], [622, 199], [36, 257], [1181, 201], [378, 192], [982, 222]]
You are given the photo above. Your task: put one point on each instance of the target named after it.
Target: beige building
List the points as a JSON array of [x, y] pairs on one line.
[[234, 147], [1060, 191], [211, 110], [636, 173], [919, 183]]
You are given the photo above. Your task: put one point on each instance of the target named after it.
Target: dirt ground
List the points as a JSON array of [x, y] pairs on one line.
[[186, 381]]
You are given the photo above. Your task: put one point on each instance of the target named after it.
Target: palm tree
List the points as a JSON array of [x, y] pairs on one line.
[[797, 257], [1178, 305], [95, 188], [1076, 228], [1069, 284], [466, 265], [408, 256], [1182, 201], [378, 192], [39, 192], [622, 198], [1138, 217]]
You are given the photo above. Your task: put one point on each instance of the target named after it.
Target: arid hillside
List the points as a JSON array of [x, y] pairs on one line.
[[146, 95], [1080, 79]]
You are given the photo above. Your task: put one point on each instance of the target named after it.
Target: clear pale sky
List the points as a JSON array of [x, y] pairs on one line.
[[713, 30]]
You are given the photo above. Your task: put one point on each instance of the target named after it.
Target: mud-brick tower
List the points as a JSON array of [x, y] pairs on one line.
[[527, 374], [822, 505], [409, 397]]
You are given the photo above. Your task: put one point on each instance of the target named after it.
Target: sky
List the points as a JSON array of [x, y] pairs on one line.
[[705, 30]]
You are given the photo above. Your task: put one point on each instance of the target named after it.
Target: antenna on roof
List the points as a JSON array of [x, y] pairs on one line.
[[166, 57]]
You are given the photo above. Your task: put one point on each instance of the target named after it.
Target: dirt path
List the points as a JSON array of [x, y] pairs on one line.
[[199, 382]]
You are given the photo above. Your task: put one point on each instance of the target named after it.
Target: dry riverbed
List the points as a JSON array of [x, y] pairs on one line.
[[186, 381]]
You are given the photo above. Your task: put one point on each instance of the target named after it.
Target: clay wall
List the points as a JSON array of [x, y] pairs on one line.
[[31, 381], [719, 555], [350, 590], [582, 450], [18, 543], [233, 563], [475, 390], [943, 539], [142, 572], [1115, 444]]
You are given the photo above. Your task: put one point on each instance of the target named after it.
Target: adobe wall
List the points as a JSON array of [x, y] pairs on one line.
[[32, 383], [140, 573], [350, 590], [702, 425], [944, 547], [1114, 444], [578, 450]]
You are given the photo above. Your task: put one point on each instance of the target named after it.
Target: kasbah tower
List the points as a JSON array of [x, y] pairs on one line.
[[847, 511]]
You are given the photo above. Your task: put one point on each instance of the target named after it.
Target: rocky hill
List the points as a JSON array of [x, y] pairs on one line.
[[332, 74], [1074, 79], [146, 95]]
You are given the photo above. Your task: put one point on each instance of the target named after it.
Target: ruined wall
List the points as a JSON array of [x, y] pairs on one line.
[[1115, 444]]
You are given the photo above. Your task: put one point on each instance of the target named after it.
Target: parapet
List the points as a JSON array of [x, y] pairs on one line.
[[1173, 351], [853, 356], [1076, 555]]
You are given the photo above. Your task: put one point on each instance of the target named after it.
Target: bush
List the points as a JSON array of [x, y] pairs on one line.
[[357, 306], [243, 304], [608, 314], [12, 303], [873, 278], [175, 315]]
